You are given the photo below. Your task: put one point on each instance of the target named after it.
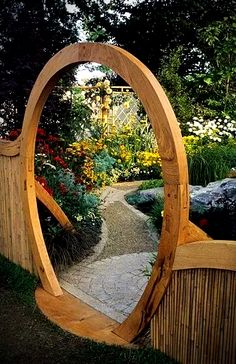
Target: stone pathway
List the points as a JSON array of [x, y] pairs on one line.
[[112, 280]]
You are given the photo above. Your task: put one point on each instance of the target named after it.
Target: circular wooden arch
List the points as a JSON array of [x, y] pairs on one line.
[[176, 228]]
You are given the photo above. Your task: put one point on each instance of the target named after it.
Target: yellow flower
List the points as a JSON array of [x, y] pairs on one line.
[[126, 104], [109, 91], [106, 83]]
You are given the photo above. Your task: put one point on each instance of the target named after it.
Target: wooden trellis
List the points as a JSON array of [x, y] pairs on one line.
[[185, 325]]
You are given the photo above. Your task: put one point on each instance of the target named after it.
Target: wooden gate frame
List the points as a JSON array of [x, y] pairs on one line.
[[176, 229]]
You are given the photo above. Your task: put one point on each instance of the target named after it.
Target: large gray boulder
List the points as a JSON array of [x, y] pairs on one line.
[[215, 194], [219, 194]]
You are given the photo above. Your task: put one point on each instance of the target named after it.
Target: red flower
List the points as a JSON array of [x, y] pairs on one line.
[[47, 149], [63, 188], [39, 140], [53, 138], [89, 188], [60, 161], [41, 132], [13, 134], [42, 180]]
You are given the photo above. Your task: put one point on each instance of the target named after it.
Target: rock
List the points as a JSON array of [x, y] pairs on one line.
[[152, 193], [215, 194], [212, 208], [219, 194]]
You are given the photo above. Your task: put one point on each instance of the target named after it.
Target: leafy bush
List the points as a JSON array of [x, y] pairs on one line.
[[140, 201], [152, 183], [156, 213]]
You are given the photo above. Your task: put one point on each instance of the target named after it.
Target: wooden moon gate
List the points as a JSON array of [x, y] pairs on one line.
[[176, 230]]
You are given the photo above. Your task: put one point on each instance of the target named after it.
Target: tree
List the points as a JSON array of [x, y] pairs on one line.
[[215, 86], [152, 29], [31, 32], [188, 44]]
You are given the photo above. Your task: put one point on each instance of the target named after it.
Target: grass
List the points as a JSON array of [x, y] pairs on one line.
[[27, 336], [18, 280], [211, 163]]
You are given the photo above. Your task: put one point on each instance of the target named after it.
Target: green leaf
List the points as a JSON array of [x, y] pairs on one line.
[[208, 80]]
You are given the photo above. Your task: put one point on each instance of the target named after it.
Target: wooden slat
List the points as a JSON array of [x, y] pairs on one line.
[[73, 315], [14, 240], [203, 305]]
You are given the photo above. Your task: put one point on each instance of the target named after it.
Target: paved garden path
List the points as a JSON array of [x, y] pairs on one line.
[[112, 279]]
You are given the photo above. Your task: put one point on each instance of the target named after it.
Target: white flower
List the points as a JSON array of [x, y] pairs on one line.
[[79, 217], [49, 165]]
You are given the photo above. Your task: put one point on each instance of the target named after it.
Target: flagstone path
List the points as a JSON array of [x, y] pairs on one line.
[[112, 279]]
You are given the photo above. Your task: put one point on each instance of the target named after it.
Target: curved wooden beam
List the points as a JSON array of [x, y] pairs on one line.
[[48, 201], [172, 153], [216, 254]]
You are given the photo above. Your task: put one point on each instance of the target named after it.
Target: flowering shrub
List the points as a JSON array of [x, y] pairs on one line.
[[91, 161], [53, 172], [216, 130], [115, 152]]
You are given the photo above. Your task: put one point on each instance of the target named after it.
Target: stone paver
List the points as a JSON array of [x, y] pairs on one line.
[[112, 285], [114, 282]]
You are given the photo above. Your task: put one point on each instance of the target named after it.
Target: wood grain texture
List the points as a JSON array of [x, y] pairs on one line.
[[10, 148], [14, 240], [196, 319], [192, 233], [218, 254], [49, 202], [171, 151], [75, 316]]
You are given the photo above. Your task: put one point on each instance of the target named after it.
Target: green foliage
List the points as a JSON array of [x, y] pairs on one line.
[[156, 213], [140, 201], [78, 117], [165, 27], [31, 32], [170, 79], [69, 246], [214, 87], [152, 183], [209, 162]]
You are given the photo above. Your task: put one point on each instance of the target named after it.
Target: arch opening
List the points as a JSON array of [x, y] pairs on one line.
[[172, 153]]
